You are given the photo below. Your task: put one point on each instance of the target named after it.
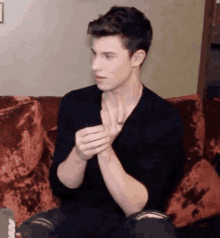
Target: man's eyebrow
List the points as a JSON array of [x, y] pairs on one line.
[[105, 52]]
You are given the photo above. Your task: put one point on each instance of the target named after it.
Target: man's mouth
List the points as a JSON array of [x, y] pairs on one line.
[[100, 78]]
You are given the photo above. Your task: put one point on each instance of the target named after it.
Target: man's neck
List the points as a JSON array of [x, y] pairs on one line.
[[130, 92]]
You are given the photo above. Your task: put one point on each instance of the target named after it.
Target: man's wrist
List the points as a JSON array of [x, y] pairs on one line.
[[106, 154], [78, 159]]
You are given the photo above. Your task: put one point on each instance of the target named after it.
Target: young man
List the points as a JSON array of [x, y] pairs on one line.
[[119, 146]]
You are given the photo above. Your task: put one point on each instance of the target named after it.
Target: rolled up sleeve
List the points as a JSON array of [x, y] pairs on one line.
[[64, 144]]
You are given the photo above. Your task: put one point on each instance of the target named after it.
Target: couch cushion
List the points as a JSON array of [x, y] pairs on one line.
[[190, 108], [28, 196], [212, 119], [12, 101], [197, 197], [20, 140], [23, 185], [50, 108], [31, 194]]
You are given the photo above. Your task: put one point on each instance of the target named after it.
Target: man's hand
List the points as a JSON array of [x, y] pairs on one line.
[[112, 117], [91, 141]]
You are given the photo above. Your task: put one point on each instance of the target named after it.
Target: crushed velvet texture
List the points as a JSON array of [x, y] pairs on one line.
[[24, 159], [191, 110], [212, 123], [11, 101], [20, 140], [30, 195], [197, 196], [50, 107], [52, 135]]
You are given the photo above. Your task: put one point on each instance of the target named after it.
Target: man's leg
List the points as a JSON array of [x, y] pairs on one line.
[[41, 225], [145, 224]]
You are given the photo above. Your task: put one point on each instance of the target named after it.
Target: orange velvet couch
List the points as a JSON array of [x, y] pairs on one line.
[[28, 127]]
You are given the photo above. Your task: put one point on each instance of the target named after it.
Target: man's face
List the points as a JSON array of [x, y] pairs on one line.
[[111, 62]]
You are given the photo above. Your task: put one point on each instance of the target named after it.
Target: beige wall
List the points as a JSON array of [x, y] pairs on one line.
[[44, 52]]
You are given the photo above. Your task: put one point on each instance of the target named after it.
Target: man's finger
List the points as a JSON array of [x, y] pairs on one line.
[[105, 108], [112, 115], [95, 137], [105, 114], [105, 118], [121, 111]]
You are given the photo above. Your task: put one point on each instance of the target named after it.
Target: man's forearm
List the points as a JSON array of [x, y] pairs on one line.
[[71, 171], [130, 194]]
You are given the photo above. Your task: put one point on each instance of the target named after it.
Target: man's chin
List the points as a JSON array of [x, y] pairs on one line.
[[104, 88], [109, 88]]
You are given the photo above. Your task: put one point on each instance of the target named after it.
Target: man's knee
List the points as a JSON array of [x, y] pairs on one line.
[[153, 224], [149, 214], [41, 224]]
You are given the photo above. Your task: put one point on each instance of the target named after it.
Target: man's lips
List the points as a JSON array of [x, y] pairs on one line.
[[99, 78]]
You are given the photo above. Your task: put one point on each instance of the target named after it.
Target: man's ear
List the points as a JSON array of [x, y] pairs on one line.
[[138, 57]]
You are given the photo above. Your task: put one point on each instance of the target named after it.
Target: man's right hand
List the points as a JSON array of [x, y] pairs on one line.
[[91, 141]]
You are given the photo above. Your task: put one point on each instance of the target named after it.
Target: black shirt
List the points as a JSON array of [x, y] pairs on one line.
[[149, 147]]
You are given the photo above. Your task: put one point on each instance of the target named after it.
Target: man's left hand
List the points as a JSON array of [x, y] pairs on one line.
[[112, 116]]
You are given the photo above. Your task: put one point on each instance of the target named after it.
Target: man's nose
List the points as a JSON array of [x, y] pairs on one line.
[[96, 64]]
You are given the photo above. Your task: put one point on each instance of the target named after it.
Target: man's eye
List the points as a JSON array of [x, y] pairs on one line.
[[108, 56]]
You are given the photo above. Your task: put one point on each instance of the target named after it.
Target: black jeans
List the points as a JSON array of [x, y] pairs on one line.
[[145, 224]]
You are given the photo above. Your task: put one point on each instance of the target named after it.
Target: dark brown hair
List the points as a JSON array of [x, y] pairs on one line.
[[127, 22]]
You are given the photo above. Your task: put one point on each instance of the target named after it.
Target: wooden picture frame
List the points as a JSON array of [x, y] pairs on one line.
[[1, 12]]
